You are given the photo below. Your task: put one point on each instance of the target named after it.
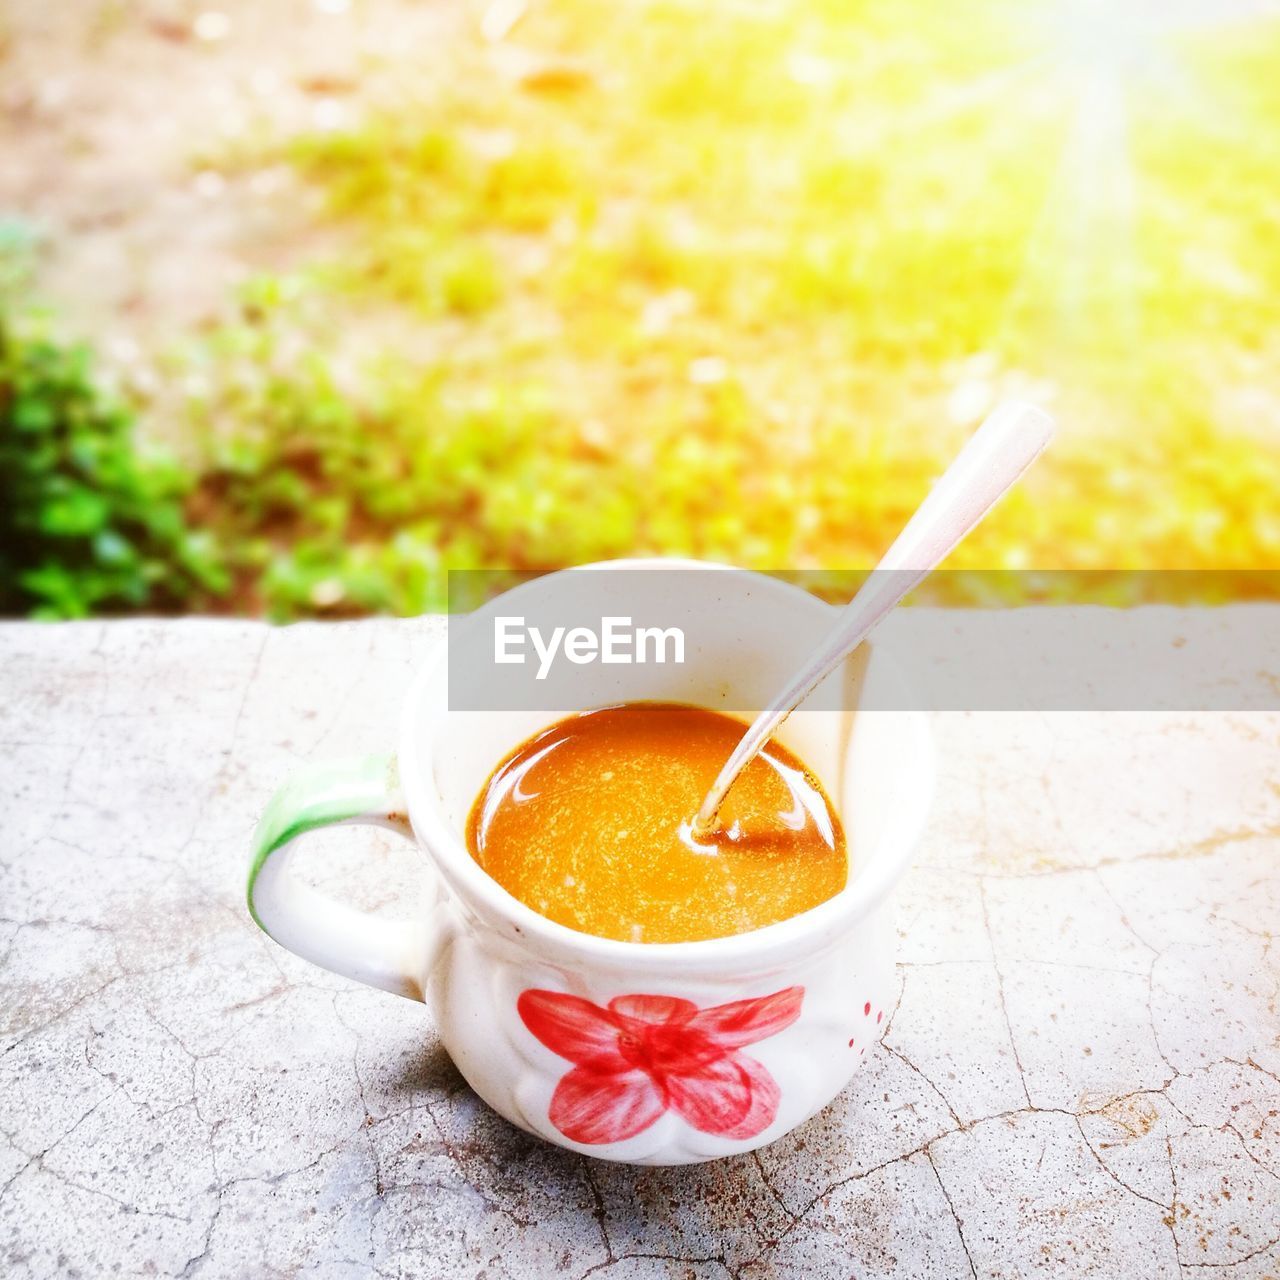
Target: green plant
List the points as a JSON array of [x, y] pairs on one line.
[[339, 488], [336, 491], [88, 523], [737, 294]]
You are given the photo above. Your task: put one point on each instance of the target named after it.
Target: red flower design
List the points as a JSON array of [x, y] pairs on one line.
[[644, 1054]]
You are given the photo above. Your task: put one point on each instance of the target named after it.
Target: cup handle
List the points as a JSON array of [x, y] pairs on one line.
[[393, 955]]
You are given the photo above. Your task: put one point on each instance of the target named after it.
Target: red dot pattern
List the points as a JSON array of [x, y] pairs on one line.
[[866, 1013]]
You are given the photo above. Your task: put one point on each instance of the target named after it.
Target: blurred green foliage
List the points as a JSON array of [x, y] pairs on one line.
[[349, 492], [89, 522], [732, 285], [339, 490]]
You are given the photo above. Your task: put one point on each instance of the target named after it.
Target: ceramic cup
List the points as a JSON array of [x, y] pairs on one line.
[[664, 1053]]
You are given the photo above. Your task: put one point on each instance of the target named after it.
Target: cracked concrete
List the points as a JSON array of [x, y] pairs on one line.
[[1081, 1077]]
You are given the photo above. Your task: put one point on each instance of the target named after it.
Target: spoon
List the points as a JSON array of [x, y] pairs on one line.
[[991, 462]]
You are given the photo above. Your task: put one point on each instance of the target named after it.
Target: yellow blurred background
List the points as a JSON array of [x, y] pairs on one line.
[[402, 287]]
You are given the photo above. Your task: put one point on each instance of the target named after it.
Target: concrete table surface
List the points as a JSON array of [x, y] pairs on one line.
[[1081, 1078]]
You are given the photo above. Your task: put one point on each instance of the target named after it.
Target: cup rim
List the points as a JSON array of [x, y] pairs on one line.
[[811, 929]]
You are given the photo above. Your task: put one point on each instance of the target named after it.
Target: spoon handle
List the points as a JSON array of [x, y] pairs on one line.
[[991, 462]]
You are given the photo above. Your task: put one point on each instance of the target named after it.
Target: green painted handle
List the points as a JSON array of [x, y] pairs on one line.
[[389, 954]]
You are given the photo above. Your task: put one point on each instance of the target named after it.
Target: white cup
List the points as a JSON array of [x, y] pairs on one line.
[[664, 1053]]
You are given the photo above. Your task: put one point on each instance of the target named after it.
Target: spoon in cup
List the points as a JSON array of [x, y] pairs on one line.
[[991, 462]]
